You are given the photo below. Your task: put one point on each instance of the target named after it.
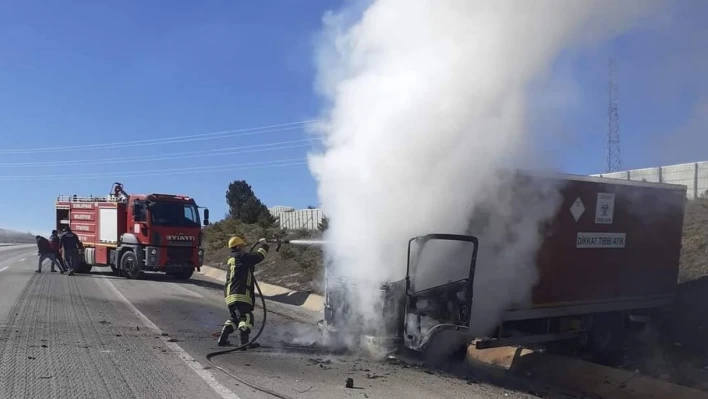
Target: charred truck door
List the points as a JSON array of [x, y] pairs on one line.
[[439, 281]]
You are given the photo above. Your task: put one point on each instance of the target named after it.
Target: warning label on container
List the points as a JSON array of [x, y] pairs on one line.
[[577, 209], [605, 210], [601, 240]]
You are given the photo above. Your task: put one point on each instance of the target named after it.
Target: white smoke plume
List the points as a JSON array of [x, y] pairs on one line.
[[427, 100]]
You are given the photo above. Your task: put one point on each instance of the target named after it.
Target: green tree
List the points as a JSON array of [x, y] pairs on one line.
[[251, 210], [236, 196], [265, 219]]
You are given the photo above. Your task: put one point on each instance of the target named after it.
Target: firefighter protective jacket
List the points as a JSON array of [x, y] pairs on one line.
[[239, 276]]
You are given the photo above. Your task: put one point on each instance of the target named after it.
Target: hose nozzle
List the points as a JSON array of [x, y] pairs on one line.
[[277, 241]]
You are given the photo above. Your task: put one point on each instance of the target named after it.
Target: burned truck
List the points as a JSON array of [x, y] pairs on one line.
[[608, 255]]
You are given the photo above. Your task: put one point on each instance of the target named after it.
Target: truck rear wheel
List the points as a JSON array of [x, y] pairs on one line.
[[129, 265], [607, 336], [184, 274]]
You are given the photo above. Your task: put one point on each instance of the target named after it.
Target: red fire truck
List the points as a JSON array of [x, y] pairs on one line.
[[133, 233]]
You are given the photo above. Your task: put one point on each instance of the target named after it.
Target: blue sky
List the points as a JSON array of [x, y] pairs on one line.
[[89, 73]]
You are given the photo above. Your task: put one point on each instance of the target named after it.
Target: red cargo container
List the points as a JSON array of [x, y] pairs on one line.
[[614, 244]]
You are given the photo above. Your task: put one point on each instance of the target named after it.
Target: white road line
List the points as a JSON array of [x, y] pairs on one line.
[[187, 291], [4, 268], [13, 259], [193, 364]]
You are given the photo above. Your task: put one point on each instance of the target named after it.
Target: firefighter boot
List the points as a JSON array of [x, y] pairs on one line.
[[244, 338], [225, 332]]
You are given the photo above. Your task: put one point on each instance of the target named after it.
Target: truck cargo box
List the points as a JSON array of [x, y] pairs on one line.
[[611, 240]]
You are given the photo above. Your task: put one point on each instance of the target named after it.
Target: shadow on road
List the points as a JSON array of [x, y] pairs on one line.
[[295, 299]]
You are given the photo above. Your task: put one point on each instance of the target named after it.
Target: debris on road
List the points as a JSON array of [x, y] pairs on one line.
[[349, 383]]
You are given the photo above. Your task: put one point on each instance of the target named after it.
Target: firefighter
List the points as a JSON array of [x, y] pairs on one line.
[[45, 251], [70, 244], [238, 289], [54, 241]]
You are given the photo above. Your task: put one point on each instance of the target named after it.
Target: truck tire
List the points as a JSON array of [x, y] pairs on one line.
[[184, 274], [129, 265], [84, 268], [447, 351], [607, 337]]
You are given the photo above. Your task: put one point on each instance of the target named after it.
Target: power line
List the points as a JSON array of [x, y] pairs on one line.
[[177, 139], [175, 155], [165, 172]]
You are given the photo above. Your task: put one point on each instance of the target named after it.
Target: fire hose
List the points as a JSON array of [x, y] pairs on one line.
[[212, 355]]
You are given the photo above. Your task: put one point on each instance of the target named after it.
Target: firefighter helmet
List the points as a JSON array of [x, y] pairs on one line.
[[236, 242]]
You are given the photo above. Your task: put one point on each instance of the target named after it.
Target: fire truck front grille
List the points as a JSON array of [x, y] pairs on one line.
[[180, 254]]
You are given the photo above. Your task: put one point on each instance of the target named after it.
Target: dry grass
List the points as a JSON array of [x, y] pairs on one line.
[[694, 255], [295, 267]]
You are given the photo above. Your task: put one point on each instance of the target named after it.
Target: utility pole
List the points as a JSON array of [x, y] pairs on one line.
[[614, 157]]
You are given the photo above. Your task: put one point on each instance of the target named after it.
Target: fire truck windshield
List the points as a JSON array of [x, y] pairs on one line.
[[174, 214]]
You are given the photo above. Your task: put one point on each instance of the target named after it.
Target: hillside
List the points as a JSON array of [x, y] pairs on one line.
[[10, 236], [294, 267]]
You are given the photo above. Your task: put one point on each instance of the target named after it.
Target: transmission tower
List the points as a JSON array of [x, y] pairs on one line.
[[614, 158]]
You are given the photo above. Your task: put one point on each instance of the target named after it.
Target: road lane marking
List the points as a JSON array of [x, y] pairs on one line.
[[4, 268], [13, 259], [205, 375], [189, 292]]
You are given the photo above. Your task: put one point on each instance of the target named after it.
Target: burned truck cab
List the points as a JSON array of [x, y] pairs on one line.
[[408, 313]]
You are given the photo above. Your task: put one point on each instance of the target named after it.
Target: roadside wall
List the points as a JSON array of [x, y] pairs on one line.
[[692, 175]]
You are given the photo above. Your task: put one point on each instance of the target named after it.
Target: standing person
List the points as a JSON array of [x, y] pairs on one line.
[[238, 289], [54, 241], [70, 244], [45, 251]]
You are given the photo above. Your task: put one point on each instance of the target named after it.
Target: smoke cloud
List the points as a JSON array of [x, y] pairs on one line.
[[426, 102]]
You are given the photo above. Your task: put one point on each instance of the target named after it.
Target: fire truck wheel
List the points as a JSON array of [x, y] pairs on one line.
[[129, 265], [184, 274], [85, 268]]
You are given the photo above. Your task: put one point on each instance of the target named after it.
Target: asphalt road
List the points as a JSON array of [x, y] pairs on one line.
[[101, 336]]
